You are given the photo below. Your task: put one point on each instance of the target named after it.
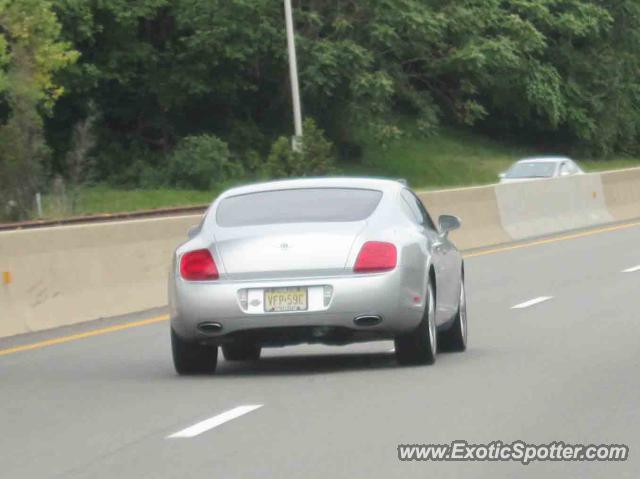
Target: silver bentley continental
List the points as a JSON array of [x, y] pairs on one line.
[[331, 260]]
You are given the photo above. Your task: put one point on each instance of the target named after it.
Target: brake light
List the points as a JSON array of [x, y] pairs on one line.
[[198, 266], [375, 257]]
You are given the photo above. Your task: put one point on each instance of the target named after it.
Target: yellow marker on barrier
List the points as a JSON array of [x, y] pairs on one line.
[[6, 277]]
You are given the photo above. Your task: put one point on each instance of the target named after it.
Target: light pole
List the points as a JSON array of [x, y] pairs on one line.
[[293, 68]]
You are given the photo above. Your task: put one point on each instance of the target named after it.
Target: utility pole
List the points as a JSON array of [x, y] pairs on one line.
[[293, 68]]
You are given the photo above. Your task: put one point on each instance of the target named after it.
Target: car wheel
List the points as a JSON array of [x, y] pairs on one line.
[[193, 358], [421, 345], [241, 352], [455, 338]]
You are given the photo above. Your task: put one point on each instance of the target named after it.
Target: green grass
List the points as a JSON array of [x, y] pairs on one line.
[[612, 164], [103, 199], [452, 158]]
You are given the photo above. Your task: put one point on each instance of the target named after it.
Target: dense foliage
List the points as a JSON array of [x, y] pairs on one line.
[[161, 74], [30, 53], [201, 162], [314, 157]]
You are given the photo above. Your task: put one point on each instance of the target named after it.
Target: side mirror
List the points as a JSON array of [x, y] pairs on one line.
[[449, 223], [193, 231]]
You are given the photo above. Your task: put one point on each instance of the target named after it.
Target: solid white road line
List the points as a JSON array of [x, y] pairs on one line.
[[632, 270], [215, 421], [532, 302]]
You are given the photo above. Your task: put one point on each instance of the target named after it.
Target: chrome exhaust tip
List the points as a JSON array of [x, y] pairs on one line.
[[367, 320], [209, 327]]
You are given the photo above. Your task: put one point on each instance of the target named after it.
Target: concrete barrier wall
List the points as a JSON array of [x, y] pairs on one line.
[[535, 208], [622, 193], [476, 207], [69, 274]]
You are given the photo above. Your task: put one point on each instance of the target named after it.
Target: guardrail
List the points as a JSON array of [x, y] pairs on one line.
[[103, 218], [71, 271]]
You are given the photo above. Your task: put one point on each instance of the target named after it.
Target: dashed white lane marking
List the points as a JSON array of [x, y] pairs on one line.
[[532, 302], [215, 421], [632, 270]]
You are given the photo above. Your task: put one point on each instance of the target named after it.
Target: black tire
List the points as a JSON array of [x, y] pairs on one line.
[[193, 358], [421, 345], [241, 352], [454, 339]]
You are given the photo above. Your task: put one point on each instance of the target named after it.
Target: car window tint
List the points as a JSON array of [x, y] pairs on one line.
[[532, 170], [573, 168], [411, 212], [418, 210], [411, 203], [306, 205], [428, 222]]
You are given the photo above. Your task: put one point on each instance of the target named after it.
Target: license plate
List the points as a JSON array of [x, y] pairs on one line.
[[285, 299]]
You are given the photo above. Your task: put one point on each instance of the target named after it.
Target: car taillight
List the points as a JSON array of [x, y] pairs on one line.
[[375, 257], [198, 266]]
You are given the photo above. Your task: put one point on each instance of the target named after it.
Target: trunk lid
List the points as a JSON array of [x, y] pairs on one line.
[[290, 250]]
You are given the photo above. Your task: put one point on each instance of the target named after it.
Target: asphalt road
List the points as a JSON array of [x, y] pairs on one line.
[[564, 369]]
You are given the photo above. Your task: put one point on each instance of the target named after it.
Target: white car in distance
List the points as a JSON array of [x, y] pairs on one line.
[[540, 168]]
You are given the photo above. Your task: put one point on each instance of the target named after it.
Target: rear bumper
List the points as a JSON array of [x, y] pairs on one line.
[[391, 296]]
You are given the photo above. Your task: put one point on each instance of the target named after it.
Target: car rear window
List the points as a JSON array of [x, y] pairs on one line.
[[532, 170], [308, 205]]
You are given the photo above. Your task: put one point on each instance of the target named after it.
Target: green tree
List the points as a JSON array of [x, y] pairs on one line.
[[161, 70], [557, 73], [316, 156], [31, 53], [201, 162]]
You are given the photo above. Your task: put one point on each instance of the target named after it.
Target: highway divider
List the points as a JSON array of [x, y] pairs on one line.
[[622, 193], [69, 274], [56, 276], [477, 207], [535, 208]]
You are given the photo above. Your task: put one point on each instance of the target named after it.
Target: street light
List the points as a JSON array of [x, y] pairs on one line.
[[293, 69]]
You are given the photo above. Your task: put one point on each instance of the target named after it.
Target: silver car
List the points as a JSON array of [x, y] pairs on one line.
[[540, 168], [332, 260]]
